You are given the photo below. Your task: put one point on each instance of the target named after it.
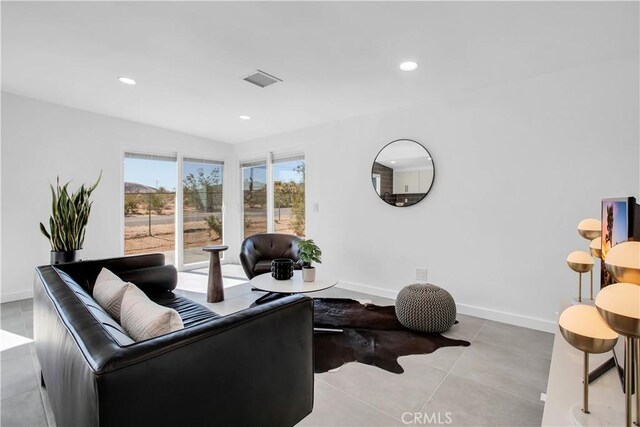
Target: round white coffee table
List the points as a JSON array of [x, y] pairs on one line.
[[295, 285]]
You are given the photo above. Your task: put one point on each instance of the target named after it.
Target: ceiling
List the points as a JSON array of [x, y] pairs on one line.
[[337, 59]]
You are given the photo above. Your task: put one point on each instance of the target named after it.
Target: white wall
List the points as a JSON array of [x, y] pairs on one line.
[[41, 140], [516, 168]]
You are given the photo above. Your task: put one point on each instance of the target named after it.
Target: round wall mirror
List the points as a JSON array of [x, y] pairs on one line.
[[402, 173]]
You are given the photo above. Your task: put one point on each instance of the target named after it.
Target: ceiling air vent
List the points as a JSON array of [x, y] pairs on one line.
[[262, 79]]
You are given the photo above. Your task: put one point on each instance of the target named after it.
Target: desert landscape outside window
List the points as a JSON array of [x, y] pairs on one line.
[[149, 204], [288, 195], [202, 207], [254, 196]]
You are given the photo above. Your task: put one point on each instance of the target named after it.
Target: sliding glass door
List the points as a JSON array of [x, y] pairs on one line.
[[149, 204], [254, 196], [288, 195], [202, 219], [153, 213], [273, 192]]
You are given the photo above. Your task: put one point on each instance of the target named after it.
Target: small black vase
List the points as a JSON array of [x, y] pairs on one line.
[[282, 269], [63, 257]]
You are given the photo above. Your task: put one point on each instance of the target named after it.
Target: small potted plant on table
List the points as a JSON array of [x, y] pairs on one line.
[[308, 253]]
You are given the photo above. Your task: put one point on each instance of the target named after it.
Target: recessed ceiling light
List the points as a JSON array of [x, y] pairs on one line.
[[245, 117], [127, 80], [408, 66], [392, 161]]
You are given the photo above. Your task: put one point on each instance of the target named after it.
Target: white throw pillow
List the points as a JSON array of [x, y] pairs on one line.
[[144, 319], [109, 291]]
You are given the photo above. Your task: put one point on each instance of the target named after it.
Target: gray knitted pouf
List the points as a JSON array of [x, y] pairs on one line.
[[425, 308]]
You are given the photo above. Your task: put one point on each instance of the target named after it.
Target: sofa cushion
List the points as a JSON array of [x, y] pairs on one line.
[[190, 312], [112, 327], [143, 319], [152, 279], [86, 272], [109, 291]]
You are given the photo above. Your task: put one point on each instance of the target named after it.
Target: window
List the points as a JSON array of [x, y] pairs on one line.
[[275, 201], [288, 195], [254, 196], [153, 214], [149, 204], [202, 207]]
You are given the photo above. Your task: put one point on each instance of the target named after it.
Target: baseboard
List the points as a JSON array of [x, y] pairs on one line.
[[16, 296], [484, 313], [510, 318], [365, 289]]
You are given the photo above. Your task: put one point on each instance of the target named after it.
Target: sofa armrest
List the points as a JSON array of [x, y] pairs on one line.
[[252, 367]]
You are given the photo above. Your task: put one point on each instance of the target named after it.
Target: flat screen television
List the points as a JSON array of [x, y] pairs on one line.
[[618, 226]]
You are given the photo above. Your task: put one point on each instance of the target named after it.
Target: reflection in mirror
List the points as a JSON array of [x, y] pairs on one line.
[[402, 173]]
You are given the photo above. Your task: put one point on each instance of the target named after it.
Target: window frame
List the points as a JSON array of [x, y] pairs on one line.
[[198, 264], [179, 194], [247, 162], [270, 158]]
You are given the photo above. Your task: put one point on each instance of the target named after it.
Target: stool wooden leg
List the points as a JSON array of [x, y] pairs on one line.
[[591, 292]]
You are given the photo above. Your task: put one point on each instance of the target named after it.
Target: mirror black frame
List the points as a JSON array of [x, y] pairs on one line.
[[432, 179]]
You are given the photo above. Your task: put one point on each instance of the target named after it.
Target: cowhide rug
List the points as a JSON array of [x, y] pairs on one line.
[[372, 335]]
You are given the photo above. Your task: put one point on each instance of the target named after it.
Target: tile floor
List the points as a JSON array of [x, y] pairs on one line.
[[496, 381]]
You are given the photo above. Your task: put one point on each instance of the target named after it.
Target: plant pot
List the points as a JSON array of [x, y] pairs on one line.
[[63, 257], [308, 274]]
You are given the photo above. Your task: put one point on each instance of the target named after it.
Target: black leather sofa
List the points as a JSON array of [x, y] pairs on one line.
[[250, 368], [257, 252]]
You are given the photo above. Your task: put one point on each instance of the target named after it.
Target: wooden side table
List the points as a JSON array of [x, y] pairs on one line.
[[215, 290]]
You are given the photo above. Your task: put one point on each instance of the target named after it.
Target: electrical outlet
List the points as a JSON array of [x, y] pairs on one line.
[[421, 274]]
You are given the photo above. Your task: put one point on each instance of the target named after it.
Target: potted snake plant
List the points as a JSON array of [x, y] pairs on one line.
[[308, 253], [68, 221]]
